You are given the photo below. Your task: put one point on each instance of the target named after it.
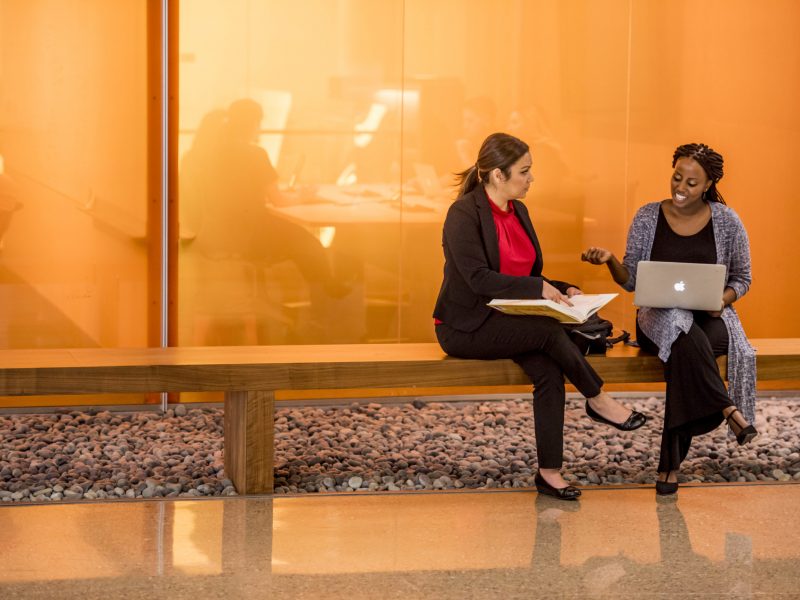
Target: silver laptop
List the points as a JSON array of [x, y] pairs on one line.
[[693, 286]]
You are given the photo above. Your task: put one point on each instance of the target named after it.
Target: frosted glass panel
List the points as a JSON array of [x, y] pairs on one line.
[[73, 177], [366, 120]]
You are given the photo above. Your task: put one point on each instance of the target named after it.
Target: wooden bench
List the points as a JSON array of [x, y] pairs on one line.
[[250, 376]]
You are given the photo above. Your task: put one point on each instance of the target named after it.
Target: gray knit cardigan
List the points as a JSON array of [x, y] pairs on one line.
[[664, 325]]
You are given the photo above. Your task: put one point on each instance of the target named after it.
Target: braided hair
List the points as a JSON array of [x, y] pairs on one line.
[[711, 162]]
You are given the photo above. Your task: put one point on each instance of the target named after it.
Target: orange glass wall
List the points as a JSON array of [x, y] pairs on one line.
[[728, 75], [368, 109], [73, 175], [366, 119]]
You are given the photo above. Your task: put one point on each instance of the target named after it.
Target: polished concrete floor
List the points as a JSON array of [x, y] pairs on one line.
[[733, 541]]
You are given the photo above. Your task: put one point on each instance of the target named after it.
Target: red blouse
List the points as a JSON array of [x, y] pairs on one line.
[[517, 253]]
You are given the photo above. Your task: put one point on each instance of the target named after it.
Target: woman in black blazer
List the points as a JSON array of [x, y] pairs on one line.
[[491, 251]]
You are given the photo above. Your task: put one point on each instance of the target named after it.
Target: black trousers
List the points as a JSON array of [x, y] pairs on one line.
[[541, 347], [696, 394]]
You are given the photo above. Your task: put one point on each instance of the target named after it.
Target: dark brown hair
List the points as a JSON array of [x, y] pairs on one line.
[[498, 151]]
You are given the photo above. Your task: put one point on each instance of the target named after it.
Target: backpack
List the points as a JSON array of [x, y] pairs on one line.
[[594, 335]]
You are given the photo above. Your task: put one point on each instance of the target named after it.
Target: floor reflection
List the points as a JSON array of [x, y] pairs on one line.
[[736, 541]]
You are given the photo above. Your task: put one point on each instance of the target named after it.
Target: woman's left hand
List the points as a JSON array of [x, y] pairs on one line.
[[573, 291], [718, 313]]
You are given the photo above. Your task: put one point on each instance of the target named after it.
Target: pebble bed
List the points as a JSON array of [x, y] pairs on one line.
[[366, 447]]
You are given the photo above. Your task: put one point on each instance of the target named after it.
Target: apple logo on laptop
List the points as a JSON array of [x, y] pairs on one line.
[[680, 286]]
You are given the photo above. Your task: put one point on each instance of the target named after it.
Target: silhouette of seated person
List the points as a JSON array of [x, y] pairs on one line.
[[233, 180], [197, 179]]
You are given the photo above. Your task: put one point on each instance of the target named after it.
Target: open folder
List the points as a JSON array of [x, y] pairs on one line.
[[584, 306]]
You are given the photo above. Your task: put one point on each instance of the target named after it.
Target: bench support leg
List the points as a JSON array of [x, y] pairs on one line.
[[249, 441]]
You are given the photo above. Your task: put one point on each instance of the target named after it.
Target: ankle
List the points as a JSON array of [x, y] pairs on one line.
[[668, 476], [601, 399], [735, 419], [552, 476]]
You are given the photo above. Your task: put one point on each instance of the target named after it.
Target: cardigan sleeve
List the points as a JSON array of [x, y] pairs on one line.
[[640, 241], [739, 274]]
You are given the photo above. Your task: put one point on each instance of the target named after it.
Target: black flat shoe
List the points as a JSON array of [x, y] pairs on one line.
[[666, 488], [634, 420], [565, 493], [746, 434]]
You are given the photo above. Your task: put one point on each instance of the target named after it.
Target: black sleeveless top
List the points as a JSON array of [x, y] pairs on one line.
[[668, 246]]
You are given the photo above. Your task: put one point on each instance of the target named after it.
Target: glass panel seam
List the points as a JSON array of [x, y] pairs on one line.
[[164, 183]]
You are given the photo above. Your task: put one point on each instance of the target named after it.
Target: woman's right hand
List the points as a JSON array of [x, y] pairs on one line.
[[549, 292], [596, 256]]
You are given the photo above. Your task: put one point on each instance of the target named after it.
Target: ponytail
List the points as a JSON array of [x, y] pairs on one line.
[[468, 180], [498, 151]]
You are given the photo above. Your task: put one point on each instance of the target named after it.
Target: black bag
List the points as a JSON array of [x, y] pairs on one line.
[[594, 335]]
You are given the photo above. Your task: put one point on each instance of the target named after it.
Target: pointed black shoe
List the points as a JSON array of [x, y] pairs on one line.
[[565, 493], [746, 434], [634, 420], [666, 488]]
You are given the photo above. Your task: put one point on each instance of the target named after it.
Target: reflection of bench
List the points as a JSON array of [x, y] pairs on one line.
[[249, 376]]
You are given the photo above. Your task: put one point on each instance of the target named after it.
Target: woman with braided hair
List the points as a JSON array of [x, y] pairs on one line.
[[693, 225]]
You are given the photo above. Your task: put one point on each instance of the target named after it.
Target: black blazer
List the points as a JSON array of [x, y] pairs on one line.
[[472, 264]]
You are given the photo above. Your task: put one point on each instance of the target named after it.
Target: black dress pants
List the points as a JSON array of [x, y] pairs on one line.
[[696, 394], [544, 351]]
